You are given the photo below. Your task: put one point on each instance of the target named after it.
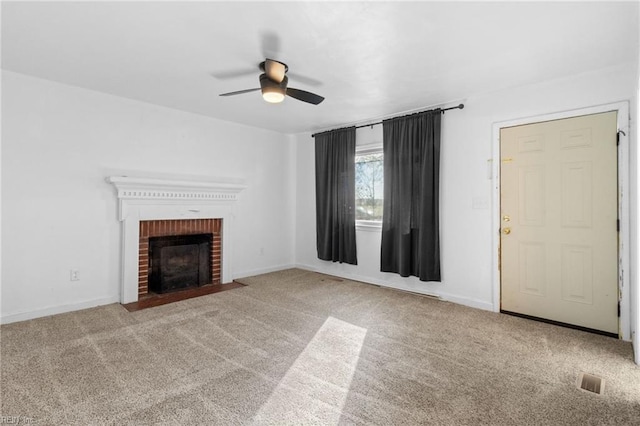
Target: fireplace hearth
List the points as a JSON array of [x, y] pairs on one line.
[[179, 262]]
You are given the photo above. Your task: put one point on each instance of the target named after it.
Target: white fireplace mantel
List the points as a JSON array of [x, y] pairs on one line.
[[142, 199]]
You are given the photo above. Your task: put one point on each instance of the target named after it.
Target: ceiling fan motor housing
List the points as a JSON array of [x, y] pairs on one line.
[[272, 91], [273, 67]]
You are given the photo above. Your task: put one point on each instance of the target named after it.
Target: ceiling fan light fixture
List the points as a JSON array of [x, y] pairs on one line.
[[272, 92], [272, 95]]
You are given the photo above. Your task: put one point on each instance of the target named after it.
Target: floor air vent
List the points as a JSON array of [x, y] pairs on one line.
[[591, 383]]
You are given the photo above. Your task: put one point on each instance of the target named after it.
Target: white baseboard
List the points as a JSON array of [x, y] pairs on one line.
[[473, 303], [259, 271], [53, 310]]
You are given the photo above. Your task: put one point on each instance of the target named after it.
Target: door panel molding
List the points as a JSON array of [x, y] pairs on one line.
[[577, 280], [573, 140], [532, 280], [577, 177]]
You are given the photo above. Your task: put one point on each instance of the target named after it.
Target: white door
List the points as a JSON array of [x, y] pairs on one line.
[[559, 211]]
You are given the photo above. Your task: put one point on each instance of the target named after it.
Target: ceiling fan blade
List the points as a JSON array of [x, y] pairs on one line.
[[239, 92], [270, 42], [275, 70], [305, 79], [227, 75], [304, 96]]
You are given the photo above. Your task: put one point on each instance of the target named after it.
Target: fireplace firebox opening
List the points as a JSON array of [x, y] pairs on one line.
[[189, 251], [179, 262]]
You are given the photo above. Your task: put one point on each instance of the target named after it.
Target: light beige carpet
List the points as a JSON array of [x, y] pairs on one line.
[[295, 347]]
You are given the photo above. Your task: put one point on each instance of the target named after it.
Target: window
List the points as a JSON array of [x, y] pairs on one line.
[[369, 186]]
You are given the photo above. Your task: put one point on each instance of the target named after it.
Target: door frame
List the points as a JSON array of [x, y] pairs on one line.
[[624, 181]]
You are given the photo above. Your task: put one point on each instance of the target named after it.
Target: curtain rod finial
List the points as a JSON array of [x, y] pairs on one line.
[[461, 106]]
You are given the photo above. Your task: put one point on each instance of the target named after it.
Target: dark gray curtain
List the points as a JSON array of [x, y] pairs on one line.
[[410, 227], [336, 195]]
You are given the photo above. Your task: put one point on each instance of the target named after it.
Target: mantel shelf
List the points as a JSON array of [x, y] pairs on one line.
[[132, 188]]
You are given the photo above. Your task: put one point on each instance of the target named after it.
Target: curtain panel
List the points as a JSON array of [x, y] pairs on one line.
[[335, 195], [410, 223]]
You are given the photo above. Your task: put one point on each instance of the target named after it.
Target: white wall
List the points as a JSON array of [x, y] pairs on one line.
[[466, 190], [58, 213]]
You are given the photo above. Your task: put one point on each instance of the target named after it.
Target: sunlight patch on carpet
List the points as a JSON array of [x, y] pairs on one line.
[[316, 386]]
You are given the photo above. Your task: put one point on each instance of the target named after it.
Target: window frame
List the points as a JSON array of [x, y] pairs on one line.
[[369, 225]]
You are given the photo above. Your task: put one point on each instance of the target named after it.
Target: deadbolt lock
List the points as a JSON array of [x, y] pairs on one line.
[[506, 218], [506, 231]]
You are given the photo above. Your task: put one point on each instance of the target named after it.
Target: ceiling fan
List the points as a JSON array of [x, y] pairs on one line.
[[273, 84]]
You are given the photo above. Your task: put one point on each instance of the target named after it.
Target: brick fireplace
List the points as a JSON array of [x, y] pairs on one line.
[[153, 207], [178, 227]]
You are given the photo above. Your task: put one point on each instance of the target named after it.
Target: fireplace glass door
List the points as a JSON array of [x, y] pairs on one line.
[[179, 262]]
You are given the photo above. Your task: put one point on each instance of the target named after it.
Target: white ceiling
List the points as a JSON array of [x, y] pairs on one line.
[[369, 59]]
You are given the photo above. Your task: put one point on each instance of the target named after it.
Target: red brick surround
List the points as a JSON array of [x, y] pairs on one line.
[[163, 228]]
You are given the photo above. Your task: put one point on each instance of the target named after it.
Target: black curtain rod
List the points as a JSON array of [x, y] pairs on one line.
[[461, 106]]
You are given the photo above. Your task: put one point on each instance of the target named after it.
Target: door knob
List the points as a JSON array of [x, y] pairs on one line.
[[506, 231]]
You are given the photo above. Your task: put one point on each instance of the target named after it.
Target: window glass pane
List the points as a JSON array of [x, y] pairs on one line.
[[369, 186]]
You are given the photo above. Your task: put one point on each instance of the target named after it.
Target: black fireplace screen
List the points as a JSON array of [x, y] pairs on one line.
[[179, 262]]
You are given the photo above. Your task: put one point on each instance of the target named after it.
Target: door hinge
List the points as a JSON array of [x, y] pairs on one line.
[[618, 225], [618, 309]]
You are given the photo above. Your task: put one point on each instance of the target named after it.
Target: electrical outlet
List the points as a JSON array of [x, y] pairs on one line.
[[74, 275]]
